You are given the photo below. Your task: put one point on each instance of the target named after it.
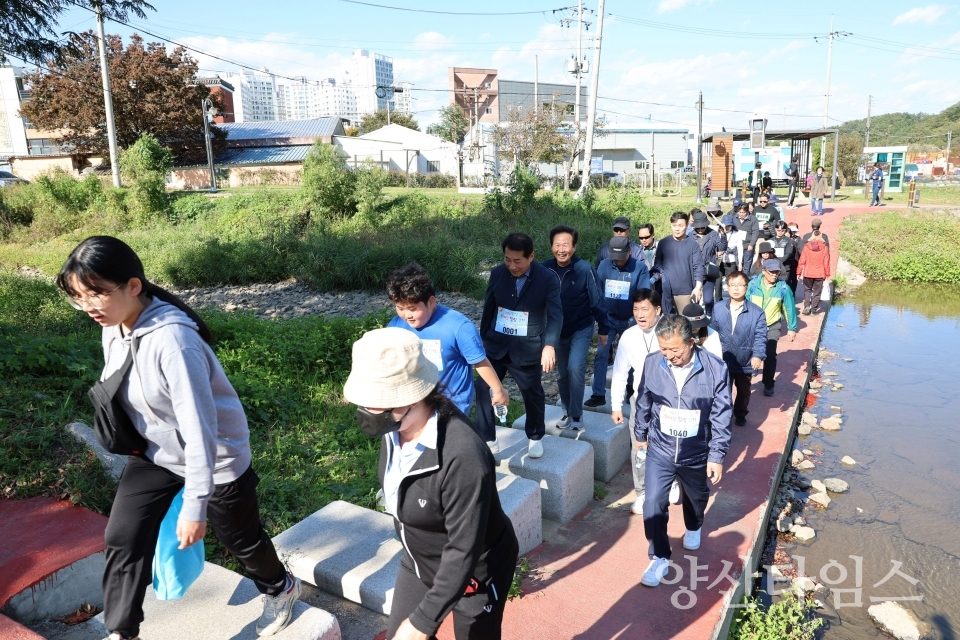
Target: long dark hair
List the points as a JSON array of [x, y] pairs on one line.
[[443, 405], [101, 261]]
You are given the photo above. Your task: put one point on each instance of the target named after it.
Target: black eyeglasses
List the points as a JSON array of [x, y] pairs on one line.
[[644, 237]]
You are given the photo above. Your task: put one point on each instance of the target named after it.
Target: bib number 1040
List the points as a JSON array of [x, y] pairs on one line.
[[679, 423]]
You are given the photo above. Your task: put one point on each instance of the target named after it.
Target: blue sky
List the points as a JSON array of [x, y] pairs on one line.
[[745, 56]]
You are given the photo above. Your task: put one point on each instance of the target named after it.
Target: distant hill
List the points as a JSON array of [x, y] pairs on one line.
[[921, 131]]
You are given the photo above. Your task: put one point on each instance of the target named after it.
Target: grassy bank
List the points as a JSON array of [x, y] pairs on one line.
[[289, 376], [269, 235], [913, 245]]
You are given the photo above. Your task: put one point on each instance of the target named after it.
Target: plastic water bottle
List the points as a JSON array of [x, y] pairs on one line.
[[641, 458], [499, 410]]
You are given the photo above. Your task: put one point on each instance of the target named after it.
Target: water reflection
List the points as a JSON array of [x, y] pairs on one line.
[[900, 404]]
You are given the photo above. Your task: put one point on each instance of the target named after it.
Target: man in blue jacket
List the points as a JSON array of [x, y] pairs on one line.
[[742, 327], [582, 306], [621, 227], [520, 327], [679, 259], [683, 421], [620, 275]]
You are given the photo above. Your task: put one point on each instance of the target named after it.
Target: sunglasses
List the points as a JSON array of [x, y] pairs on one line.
[[619, 230], [644, 237]]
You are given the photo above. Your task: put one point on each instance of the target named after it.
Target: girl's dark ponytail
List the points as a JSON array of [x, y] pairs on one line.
[[100, 261]]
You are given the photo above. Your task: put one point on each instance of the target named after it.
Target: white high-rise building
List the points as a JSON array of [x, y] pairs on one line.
[[370, 70], [13, 139], [311, 99], [254, 96]]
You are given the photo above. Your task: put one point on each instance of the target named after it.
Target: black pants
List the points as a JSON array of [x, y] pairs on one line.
[[143, 497], [792, 193], [741, 405], [471, 620], [812, 288], [659, 475], [528, 381], [770, 363]]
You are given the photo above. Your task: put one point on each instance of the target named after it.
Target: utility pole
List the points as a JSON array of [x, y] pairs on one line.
[[866, 141], [108, 99], [949, 140], [592, 112], [536, 83], [699, 147], [207, 108], [576, 98], [826, 108]]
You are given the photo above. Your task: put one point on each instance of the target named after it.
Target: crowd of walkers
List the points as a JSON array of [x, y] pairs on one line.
[[686, 321]]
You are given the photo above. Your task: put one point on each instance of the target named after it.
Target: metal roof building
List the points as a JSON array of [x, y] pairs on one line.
[[264, 155], [282, 132]]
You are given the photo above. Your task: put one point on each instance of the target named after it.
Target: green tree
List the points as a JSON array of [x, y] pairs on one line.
[[146, 164], [28, 27], [327, 181], [154, 91], [378, 120], [453, 124], [368, 192]]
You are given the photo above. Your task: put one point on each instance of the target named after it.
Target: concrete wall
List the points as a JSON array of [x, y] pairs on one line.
[[282, 174], [32, 167]]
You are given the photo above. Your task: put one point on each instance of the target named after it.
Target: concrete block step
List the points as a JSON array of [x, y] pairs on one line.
[[11, 630], [51, 559], [346, 550], [354, 553], [223, 605], [564, 472], [610, 442], [604, 408]]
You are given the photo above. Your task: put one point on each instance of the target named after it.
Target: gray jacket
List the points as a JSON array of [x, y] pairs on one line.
[[181, 402]]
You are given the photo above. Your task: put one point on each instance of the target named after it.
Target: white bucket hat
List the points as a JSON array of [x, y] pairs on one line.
[[389, 370]]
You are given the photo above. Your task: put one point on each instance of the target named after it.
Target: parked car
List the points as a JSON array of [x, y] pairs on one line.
[[7, 178]]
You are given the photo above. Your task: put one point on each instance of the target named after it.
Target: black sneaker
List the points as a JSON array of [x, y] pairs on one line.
[[740, 421], [768, 391], [595, 401], [576, 425]]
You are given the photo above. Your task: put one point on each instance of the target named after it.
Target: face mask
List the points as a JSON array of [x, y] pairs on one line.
[[377, 425]]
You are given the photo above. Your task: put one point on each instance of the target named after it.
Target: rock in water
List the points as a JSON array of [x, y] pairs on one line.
[[796, 457], [831, 373], [807, 452], [815, 384], [833, 408], [830, 424], [892, 618], [818, 486], [806, 465], [821, 499], [836, 485], [808, 418], [804, 534], [847, 460], [804, 429]]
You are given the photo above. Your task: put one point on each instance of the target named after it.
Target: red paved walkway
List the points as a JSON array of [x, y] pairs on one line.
[[587, 580], [39, 537]]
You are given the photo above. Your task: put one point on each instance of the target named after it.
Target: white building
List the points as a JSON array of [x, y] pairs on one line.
[[311, 99], [403, 102], [368, 71], [254, 96], [13, 134], [397, 148]]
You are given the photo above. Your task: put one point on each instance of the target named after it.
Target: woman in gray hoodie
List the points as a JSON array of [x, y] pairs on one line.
[[180, 401]]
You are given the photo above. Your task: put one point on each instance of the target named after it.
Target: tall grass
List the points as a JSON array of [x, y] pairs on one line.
[[914, 245]]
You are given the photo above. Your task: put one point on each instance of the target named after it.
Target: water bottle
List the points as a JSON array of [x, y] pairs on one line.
[[499, 410], [641, 458]]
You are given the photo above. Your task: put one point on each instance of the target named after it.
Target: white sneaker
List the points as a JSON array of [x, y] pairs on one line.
[[278, 609], [535, 448], [674, 497], [564, 422], [637, 508], [655, 571], [691, 540]]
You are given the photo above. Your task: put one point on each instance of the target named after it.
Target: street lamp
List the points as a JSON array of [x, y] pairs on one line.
[[209, 111], [699, 106]]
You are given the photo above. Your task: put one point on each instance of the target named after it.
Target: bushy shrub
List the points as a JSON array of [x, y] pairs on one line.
[[421, 180], [54, 204], [369, 191], [328, 183], [146, 164]]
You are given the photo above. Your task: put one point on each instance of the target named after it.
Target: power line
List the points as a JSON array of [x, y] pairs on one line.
[[722, 33], [453, 13]]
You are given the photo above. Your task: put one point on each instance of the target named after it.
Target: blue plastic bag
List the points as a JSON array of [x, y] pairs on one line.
[[174, 570]]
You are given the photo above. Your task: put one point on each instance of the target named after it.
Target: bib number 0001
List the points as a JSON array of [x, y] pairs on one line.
[[512, 323]]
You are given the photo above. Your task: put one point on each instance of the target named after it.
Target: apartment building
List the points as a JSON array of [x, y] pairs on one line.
[[255, 95], [368, 71]]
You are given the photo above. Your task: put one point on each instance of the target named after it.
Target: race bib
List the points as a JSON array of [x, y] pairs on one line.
[[763, 217], [617, 289], [679, 423], [779, 251], [433, 352], [512, 323], [730, 258]]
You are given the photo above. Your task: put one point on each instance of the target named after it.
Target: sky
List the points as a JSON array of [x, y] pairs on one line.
[[768, 58]]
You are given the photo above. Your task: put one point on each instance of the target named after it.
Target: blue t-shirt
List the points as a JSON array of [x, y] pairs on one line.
[[452, 342]]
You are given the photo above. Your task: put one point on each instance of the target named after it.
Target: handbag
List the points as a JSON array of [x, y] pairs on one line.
[[111, 424], [712, 271], [174, 569]]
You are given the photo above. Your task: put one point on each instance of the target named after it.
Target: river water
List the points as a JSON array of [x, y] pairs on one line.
[[898, 356]]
